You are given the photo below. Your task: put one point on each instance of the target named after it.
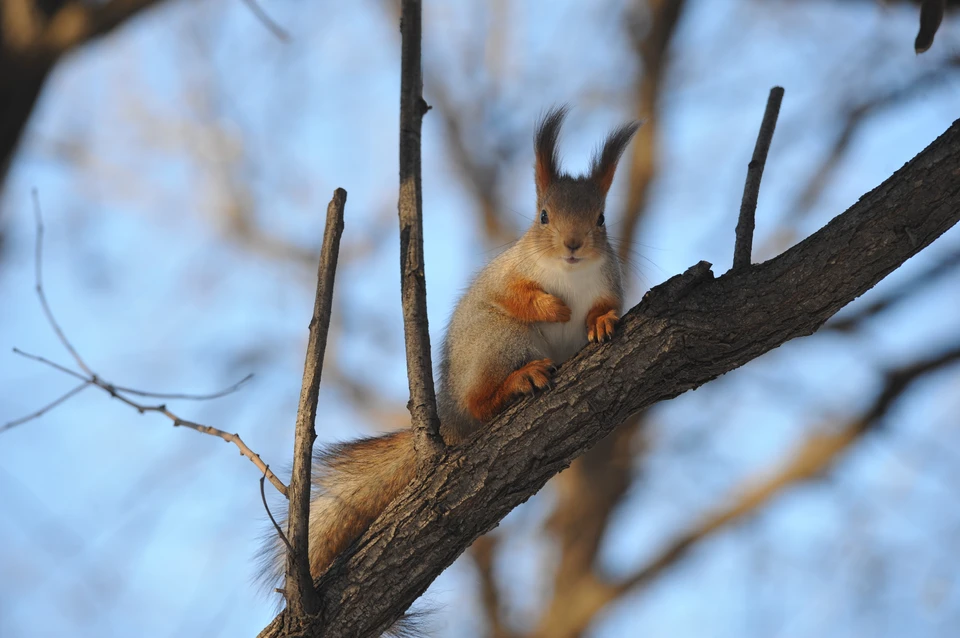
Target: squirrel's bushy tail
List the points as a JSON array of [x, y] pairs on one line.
[[352, 483]]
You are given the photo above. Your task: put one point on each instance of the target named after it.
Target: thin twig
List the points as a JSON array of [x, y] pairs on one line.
[[300, 594], [267, 21], [12, 424], [743, 249], [413, 288], [263, 496], [88, 377], [38, 265], [55, 366]]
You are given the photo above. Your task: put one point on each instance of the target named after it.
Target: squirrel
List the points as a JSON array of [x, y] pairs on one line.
[[530, 309]]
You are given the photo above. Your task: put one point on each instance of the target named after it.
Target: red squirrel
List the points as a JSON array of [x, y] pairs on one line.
[[530, 309]]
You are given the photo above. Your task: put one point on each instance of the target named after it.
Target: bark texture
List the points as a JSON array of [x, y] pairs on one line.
[[684, 333], [413, 285], [299, 591]]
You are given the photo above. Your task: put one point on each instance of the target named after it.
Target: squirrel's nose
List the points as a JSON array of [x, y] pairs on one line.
[[572, 244]]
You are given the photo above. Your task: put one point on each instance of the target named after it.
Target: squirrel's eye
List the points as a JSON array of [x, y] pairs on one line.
[[600, 220], [543, 217]]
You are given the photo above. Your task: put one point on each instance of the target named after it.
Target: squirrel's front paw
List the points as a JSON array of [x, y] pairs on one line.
[[536, 375], [601, 328], [553, 309]]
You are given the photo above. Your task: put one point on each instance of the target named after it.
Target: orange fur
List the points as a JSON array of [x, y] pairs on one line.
[[602, 319], [364, 476], [526, 301], [490, 399]]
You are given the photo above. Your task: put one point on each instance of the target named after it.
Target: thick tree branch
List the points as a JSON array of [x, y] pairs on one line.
[[743, 249], [684, 333], [413, 287], [299, 592]]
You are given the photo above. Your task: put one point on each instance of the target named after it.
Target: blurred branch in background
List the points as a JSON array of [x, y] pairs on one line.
[[807, 462], [34, 35], [855, 117]]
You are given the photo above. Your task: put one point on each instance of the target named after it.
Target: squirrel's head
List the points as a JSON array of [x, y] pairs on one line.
[[570, 224]]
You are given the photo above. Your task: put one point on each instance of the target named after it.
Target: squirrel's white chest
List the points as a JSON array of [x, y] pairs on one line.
[[579, 288]]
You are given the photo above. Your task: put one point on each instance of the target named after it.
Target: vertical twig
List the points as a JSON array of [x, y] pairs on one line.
[[748, 206], [413, 288], [300, 593], [931, 15]]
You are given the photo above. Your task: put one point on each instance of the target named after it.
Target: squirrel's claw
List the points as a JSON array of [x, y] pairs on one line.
[[603, 327]]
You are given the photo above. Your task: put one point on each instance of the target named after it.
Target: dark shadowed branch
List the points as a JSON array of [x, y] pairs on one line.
[[931, 15], [299, 592], [32, 43], [743, 249], [683, 334]]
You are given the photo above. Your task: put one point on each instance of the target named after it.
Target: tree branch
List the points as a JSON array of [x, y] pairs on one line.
[[413, 287], [299, 592], [931, 14], [89, 377], [743, 249], [684, 333]]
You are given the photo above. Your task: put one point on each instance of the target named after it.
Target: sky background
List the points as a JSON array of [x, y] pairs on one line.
[[183, 165]]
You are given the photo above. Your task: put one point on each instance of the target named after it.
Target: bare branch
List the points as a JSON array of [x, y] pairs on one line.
[[301, 597], [684, 333], [931, 14], [91, 378], [748, 206], [185, 396], [35, 415], [423, 400], [55, 366], [276, 526], [38, 275]]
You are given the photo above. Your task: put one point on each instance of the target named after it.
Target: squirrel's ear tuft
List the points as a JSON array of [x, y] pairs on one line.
[[547, 163], [604, 164]]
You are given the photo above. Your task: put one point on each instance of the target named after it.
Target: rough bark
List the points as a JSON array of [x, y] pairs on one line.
[[684, 333], [413, 286], [299, 591]]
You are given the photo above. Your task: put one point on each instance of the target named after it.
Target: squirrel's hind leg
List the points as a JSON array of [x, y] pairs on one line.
[[490, 399]]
